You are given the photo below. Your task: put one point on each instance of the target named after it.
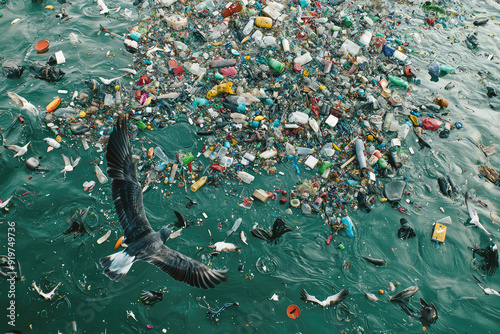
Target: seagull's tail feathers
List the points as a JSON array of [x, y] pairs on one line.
[[117, 265]]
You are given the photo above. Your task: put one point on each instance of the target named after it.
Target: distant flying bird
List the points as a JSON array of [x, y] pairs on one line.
[[329, 301], [23, 103], [143, 242], [69, 165], [20, 151], [473, 215]]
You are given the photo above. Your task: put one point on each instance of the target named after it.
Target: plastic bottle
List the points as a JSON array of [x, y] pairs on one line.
[[276, 65], [222, 152], [360, 152], [198, 184], [398, 82], [399, 55], [304, 150], [286, 45], [141, 124], [73, 39], [387, 122], [328, 66], [171, 179], [245, 177], [403, 131], [304, 59]]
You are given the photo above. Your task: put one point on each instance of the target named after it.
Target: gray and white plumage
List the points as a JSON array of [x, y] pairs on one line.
[[20, 151], [473, 214], [4, 204], [329, 301], [405, 295], [487, 291], [69, 165], [143, 242], [23, 103]]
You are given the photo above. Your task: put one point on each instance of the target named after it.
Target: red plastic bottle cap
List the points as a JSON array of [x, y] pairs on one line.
[[283, 200], [172, 63], [293, 311], [297, 68]]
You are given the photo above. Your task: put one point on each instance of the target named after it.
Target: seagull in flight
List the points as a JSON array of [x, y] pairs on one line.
[[473, 214], [69, 165], [487, 291], [20, 151], [329, 301], [143, 242], [23, 103]]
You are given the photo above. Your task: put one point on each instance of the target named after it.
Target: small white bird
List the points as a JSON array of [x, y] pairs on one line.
[[69, 165], [52, 143], [224, 246], [473, 214], [23, 103], [488, 291], [330, 301], [109, 81], [131, 314], [47, 296], [20, 151], [4, 204]]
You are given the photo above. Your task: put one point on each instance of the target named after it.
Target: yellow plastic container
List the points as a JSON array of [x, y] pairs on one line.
[[220, 89], [264, 22], [198, 184], [53, 105], [439, 233]]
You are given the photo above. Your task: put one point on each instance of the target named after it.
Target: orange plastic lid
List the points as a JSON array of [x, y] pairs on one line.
[[42, 46], [172, 63], [293, 311]]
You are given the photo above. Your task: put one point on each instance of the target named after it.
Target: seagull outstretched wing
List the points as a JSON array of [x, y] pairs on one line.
[[185, 269], [127, 192]]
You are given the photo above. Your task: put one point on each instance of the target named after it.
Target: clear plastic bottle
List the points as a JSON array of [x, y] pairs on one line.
[[304, 150]]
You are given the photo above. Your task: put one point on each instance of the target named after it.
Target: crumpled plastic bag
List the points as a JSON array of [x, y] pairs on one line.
[[46, 72], [12, 69]]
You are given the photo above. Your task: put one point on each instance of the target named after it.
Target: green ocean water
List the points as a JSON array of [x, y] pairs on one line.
[[301, 259]]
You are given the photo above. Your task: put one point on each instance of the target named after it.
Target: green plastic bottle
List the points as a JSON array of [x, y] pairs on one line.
[[140, 124], [396, 81], [276, 65], [347, 21]]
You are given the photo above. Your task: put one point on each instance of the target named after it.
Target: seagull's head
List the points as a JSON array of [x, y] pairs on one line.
[[165, 233]]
